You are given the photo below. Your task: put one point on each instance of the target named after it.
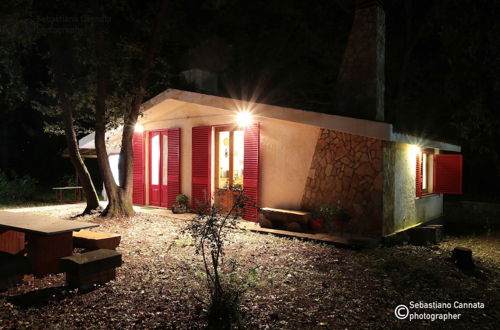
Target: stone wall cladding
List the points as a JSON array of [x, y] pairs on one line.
[[348, 168]]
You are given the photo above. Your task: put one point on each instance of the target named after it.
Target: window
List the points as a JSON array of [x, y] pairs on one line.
[[425, 160], [229, 158]]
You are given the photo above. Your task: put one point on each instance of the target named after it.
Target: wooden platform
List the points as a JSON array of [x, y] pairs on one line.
[[341, 241]]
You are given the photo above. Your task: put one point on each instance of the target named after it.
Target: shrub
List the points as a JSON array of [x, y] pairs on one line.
[[182, 199], [17, 188], [209, 230]]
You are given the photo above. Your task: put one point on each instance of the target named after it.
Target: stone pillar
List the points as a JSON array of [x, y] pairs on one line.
[[360, 85]]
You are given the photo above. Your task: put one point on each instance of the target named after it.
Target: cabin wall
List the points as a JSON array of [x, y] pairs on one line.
[[402, 209], [286, 150], [347, 169]]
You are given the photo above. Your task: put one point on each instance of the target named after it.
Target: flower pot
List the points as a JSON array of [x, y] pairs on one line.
[[318, 225], [179, 209], [339, 224]]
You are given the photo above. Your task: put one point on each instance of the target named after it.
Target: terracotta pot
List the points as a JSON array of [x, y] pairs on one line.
[[318, 225], [339, 224]]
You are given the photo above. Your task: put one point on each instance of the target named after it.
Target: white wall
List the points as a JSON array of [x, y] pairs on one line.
[[286, 149], [401, 207]]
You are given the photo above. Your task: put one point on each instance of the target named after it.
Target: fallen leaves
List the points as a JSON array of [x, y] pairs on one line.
[[290, 283]]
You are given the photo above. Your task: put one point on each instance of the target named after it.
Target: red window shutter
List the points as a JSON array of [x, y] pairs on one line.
[[174, 165], [448, 174], [251, 171], [418, 175], [138, 195], [200, 191]]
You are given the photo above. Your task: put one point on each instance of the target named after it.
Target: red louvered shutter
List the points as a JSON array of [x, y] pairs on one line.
[[418, 175], [138, 196], [251, 171], [447, 174], [174, 165], [200, 191]]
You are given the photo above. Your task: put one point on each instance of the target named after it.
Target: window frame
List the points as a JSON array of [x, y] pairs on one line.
[[427, 168], [231, 129]]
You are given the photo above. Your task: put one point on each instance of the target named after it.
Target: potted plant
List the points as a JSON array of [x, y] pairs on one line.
[[318, 224], [335, 216], [182, 204]]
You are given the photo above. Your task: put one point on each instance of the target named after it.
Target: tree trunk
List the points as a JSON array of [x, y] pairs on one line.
[[78, 163], [120, 196], [59, 61]]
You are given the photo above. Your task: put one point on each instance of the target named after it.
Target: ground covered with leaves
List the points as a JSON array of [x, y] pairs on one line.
[[289, 284]]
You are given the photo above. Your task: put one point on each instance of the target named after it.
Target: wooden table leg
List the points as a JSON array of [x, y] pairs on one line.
[[11, 241], [45, 251]]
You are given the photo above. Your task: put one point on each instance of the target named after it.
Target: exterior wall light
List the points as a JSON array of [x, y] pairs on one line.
[[414, 150], [244, 118], [138, 128]]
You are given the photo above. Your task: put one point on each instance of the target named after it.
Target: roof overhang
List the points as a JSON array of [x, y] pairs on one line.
[[373, 129], [423, 142], [350, 125]]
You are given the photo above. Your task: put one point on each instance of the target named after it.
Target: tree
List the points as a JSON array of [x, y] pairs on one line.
[[61, 61], [120, 196], [61, 91]]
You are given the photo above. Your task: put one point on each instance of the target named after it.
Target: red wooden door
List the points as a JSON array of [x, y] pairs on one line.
[[200, 172], [155, 168], [251, 171], [163, 168]]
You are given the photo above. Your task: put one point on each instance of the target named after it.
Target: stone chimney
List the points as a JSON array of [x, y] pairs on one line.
[[200, 80], [361, 84]]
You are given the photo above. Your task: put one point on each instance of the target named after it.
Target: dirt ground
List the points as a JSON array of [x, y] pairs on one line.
[[290, 284]]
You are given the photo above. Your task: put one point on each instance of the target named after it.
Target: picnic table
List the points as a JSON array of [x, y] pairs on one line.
[[77, 194], [47, 239]]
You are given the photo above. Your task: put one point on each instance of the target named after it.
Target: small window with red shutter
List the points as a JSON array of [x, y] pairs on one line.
[[438, 174], [448, 174]]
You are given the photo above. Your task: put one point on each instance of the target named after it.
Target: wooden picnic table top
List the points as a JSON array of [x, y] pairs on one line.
[[63, 188], [39, 224]]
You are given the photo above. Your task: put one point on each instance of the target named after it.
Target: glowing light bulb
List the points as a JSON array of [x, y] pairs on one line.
[[244, 118], [138, 128]]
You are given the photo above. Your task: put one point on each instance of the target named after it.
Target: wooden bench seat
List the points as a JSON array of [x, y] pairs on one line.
[[12, 269], [92, 240], [284, 219], [89, 268]]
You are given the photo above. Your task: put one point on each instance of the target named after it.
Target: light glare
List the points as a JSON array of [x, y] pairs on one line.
[[414, 149], [138, 128], [244, 118]]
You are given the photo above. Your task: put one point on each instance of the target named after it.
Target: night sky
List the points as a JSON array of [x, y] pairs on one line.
[[442, 68]]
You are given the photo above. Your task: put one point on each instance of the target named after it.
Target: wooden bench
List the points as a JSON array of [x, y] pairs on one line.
[[92, 240], [77, 194], [89, 268], [284, 219], [12, 269]]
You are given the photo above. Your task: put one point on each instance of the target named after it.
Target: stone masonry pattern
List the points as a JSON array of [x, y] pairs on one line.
[[347, 168]]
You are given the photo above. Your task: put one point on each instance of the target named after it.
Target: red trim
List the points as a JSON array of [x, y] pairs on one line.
[[418, 175], [251, 171], [447, 174], [201, 167], [154, 190], [174, 165], [138, 185]]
